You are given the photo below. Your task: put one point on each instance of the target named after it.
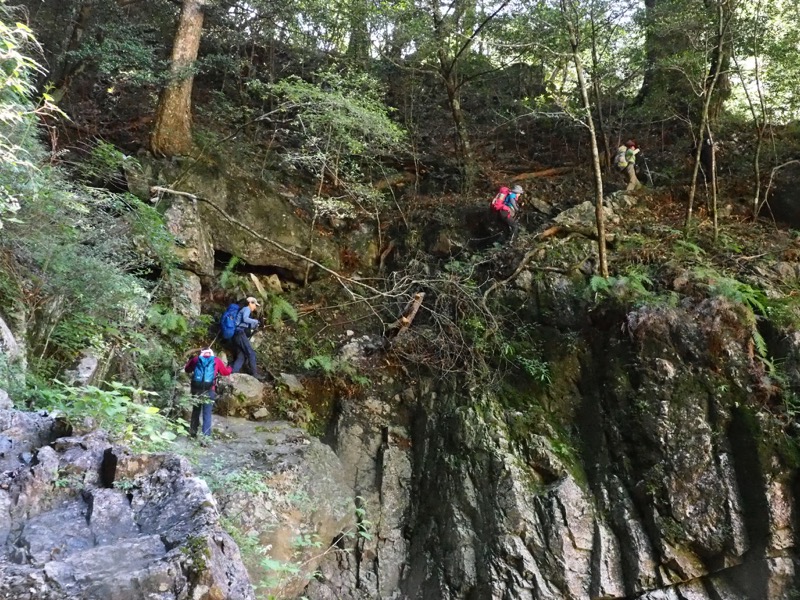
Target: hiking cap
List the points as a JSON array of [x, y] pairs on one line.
[[252, 300], [206, 352], [517, 189]]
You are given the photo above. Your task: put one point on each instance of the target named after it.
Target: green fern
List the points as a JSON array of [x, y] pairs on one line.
[[228, 278], [599, 285], [327, 364], [760, 343], [279, 308], [688, 247]]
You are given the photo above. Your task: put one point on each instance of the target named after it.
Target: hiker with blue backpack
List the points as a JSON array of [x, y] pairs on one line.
[[205, 369], [238, 330], [505, 206]]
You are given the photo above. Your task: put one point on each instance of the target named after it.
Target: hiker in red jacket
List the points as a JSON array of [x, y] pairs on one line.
[[506, 208], [204, 369]]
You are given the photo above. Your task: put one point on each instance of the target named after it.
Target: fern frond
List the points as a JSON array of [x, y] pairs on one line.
[[280, 308], [760, 343]]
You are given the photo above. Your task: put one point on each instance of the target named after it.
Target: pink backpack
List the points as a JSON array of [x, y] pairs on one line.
[[499, 202]]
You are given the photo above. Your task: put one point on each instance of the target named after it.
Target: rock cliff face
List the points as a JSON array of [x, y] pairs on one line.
[[649, 468]]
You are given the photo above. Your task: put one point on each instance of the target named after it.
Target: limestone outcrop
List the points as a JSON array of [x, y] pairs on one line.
[[283, 494]]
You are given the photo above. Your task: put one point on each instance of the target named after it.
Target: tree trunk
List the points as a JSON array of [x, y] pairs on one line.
[[65, 66], [598, 173], [172, 132], [359, 43], [599, 98], [721, 62], [463, 146], [651, 45], [723, 19]]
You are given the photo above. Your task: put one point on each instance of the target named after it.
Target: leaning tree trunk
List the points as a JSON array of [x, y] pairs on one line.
[[572, 29], [172, 133]]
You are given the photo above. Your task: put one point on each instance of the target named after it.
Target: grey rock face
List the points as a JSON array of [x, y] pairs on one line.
[[65, 534], [193, 243], [85, 370], [673, 483], [261, 207], [8, 343]]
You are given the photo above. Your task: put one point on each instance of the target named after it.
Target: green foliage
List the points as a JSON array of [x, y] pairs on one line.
[[340, 127], [754, 301], [104, 163], [123, 54], [630, 288], [333, 367], [231, 281], [72, 481], [686, 250], [119, 410], [197, 553], [240, 480], [536, 368], [125, 485], [82, 262], [167, 321], [17, 71], [753, 298], [279, 308]]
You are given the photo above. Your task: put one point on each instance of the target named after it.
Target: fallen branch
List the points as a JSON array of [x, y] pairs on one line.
[[405, 320], [341, 278], [551, 172]]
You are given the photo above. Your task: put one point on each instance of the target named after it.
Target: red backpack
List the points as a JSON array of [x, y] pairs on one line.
[[499, 201]]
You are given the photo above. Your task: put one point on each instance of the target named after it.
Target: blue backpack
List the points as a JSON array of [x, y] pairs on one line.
[[203, 375], [227, 323]]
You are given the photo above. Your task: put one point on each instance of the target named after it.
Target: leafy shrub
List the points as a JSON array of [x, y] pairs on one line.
[[119, 410]]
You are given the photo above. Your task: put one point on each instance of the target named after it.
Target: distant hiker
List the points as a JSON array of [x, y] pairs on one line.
[[625, 162], [505, 206], [204, 369], [245, 327]]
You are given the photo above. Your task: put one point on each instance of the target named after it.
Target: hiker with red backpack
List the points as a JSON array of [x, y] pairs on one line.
[[505, 206], [205, 368]]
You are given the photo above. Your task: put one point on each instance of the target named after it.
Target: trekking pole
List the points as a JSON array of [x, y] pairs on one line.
[[649, 175]]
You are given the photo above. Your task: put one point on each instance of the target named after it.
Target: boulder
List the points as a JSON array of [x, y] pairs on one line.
[[84, 371], [582, 216], [8, 343], [186, 296], [193, 242], [239, 395]]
